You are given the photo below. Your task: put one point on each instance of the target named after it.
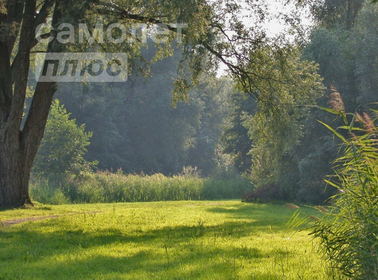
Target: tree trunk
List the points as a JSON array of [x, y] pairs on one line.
[[14, 176], [18, 148]]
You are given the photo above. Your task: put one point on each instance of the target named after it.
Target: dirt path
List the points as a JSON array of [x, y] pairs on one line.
[[205, 204], [30, 219]]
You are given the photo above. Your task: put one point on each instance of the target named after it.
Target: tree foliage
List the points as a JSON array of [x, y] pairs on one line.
[[346, 60], [276, 129], [235, 139], [136, 129], [289, 147], [63, 146], [295, 152], [331, 13]]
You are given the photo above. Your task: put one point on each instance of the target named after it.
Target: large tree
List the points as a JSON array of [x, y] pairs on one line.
[[330, 13], [215, 32]]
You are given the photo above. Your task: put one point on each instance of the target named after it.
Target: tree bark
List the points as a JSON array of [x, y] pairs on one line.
[[14, 176], [18, 148]]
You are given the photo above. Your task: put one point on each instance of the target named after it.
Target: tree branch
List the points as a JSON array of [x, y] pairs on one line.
[[44, 12], [10, 26], [41, 17], [21, 79], [15, 15], [124, 14], [36, 119]]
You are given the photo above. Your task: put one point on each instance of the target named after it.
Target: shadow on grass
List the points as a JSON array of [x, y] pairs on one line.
[[64, 251], [178, 253], [263, 215], [144, 265]]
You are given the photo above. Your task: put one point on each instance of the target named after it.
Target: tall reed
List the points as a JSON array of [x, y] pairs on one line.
[[117, 187], [349, 233]]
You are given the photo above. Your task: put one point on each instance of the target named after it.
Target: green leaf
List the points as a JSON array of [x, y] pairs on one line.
[[334, 132]]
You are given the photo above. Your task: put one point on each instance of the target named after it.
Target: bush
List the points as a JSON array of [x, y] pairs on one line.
[[47, 194], [263, 194], [63, 146]]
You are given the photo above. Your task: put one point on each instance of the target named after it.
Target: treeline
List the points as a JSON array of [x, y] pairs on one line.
[[136, 127], [276, 143], [291, 156], [131, 142]]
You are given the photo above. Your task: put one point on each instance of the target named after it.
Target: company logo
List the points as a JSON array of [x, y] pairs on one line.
[[81, 67], [93, 66], [115, 33]]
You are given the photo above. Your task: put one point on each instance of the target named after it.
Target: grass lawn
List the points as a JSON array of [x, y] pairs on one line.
[[157, 240]]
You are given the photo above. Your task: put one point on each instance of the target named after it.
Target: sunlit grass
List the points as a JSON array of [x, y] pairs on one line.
[[158, 240]]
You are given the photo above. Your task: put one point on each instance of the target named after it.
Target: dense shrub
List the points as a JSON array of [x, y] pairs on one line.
[[46, 194], [63, 146], [262, 194], [118, 187]]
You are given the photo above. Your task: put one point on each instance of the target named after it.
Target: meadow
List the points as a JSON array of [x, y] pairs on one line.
[[223, 239], [109, 187]]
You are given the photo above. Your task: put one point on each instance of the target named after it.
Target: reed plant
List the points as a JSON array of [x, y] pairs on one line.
[[348, 234], [106, 187]]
